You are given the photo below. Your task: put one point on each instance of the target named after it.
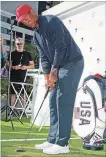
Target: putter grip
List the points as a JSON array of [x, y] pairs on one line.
[[46, 93]]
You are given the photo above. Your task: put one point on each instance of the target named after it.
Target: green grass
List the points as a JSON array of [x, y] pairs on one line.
[[8, 148]]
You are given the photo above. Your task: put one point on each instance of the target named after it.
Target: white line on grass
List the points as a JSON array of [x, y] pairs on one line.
[[33, 139]]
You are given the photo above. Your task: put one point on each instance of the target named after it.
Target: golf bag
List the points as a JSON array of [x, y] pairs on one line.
[[90, 113]]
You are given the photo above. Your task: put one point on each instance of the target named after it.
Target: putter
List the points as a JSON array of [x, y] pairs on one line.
[[22, 149]]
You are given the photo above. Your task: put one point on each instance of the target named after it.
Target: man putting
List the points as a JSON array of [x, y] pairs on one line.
[[63, 64]]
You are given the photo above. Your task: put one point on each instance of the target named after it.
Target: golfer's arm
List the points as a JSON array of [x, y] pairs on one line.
[[46, 65], [58, 42]]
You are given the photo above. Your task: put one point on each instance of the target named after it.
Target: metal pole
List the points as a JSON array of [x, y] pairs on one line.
[[11, 44]]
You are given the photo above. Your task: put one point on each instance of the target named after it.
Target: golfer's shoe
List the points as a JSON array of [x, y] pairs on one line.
[[56, 149], [43, 145]]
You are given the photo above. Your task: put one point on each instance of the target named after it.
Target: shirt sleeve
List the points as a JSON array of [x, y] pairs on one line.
[[57, 34], [45, 63]]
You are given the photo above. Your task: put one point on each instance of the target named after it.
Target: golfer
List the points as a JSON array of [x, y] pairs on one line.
[[63, 64]]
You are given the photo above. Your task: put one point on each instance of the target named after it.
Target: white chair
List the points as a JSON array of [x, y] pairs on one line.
[[27, 98], [33, 73]]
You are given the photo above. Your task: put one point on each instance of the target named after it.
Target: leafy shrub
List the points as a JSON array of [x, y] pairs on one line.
[[4, 85]]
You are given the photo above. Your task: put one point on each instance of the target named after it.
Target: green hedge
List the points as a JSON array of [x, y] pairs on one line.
[[4, 85]]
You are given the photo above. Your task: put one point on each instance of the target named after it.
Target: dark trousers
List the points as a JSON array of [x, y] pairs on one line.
[[61, 102]]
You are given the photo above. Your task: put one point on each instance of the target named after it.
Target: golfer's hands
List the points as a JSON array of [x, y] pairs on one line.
[[50, 80]]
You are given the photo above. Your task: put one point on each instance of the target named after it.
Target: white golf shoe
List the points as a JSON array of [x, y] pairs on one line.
[[56, 149], [43, 145]]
